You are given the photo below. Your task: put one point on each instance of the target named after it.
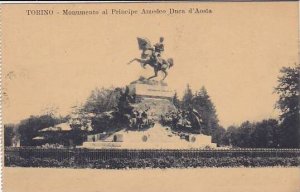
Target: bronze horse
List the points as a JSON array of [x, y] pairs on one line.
[[162, 66]]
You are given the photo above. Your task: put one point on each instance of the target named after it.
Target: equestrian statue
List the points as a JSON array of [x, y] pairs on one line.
[[152, 56]]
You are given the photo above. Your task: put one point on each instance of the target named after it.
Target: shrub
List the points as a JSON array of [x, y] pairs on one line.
[[162, 162]]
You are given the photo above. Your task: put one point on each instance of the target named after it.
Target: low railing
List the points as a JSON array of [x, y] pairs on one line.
[[105, 154]]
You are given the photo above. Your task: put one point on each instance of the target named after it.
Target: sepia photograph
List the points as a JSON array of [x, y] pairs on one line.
[[160, 96]]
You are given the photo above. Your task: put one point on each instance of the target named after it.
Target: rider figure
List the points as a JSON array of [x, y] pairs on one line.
[[156, 53], [158, 49]]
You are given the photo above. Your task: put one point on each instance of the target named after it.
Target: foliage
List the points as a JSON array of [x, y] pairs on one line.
[[103, 122], [187, 98], [266, 134], [28, 128], [117, 114], [230, 136], [76, 136], [124, 106], [198, 109], [263, 134], [270, 133], [79, 119], [202, 103], [104, 110], [219, 135], [288, 89], [158, 162], [9, 134], [176, 100], [102, 100]]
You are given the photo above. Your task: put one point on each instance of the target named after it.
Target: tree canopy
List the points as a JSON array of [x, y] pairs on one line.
[[28, 128], [288, 90], [187, 98], [199, 109], [101, 100], [205, 107]]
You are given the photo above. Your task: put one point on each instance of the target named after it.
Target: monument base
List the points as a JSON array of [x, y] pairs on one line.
[[158, 137], [155, 98]]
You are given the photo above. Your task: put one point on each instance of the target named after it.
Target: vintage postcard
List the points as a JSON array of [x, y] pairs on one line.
[[160, 96]]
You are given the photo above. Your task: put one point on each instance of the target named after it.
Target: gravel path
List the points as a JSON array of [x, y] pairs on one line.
[[190, 180]]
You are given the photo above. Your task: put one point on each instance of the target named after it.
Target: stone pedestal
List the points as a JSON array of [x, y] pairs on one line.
[[145, 90], [153, 96]]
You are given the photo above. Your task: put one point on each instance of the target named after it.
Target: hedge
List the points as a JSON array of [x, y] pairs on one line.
[[162, 162]]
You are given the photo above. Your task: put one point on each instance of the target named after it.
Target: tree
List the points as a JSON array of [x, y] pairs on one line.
[[28, 128], [187, 98], [118, 117], [101, 100], [219, 135], [176, 101], [8, 134], [263, 134], [266, 134], [231, 136], [288, 90], [79, 119], [244, 134], [103, 122], [124, 101], [240, 136], [124, 108], [202, 103]]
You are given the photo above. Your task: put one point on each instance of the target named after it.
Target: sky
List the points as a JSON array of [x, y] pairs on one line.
[[236, 53]]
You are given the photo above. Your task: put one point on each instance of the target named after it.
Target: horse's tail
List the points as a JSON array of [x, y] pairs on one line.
[[171, 62]]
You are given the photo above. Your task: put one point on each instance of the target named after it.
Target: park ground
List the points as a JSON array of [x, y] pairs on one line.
[[276, 179]]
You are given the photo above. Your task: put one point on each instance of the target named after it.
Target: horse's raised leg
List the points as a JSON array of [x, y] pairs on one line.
[[135, 59], [155, 75], [166, 74], [141, 61]]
